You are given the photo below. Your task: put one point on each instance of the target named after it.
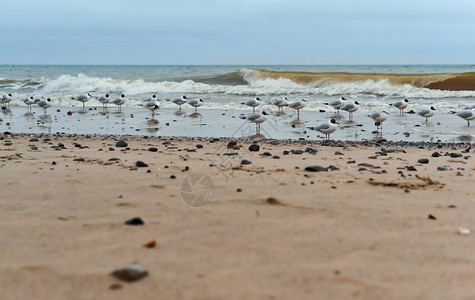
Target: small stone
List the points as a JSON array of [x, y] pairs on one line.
[[199, 146], [140, 164], [34, 140], [452, 206], [455, 155], [150, 244], [276, 157], [463, 231], [245, 162], [316, 168], [121, 143], [134, 221], [442, 169], [130, 273], [79, 159], [153, 149], [254, 147], [411, 168], [435, 154], [296, 152], [238, 190], [231, 144], [172, 177], [266, 154], [423, 161], [431, 217]]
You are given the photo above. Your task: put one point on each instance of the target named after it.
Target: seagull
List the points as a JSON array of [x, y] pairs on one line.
[[180, 101], [427, 113], [119, 102], [44, 103], [83, 98], [153, 105], [298, 105], [337, 104], [253, 103], [379, 118], [350, 108], [326, 128], [6, 99], [195, 103], [467, 115], [29, 101], [258, 119], [104, 100], [281, 103], [401, 105]]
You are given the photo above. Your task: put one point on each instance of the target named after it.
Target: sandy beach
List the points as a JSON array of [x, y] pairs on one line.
[[376, 222]]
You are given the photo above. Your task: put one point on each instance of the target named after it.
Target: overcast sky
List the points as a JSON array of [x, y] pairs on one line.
[[237, 32]]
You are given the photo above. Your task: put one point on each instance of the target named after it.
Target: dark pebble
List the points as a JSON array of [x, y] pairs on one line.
[[435, 154], [140, 164], [134, 221], [245, 162], [266, 154], [442, 169], [254, 147], [199, 146], [130, 273], [431, 217], [121, 143], [296, 151], [316, 168], [79, 159], [153, 149], [411, 168], [276, 157], [34, 140], [454, 155], [423, 161]]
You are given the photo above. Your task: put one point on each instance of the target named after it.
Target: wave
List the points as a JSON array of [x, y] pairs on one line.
[[445, 81]]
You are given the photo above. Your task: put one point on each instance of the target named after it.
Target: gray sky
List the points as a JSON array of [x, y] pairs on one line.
[[237, 32]]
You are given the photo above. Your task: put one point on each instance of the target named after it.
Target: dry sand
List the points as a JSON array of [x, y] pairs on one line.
[[347, 233]]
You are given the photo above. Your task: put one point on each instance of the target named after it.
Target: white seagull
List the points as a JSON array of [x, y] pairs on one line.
[[337, 104], [467, 115], [195, 103], [104, 100], [326, 128], [83, 98], [6, 99], [427, 113], [281, 103], [153, 105], [401, 105], [180, 101], [258, 119], [44, 103], [29, 101], [119, 101], [379, 118], [253, 103], [350, 108], [298, 105]]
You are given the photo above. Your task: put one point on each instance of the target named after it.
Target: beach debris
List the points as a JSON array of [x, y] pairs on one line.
[[316, 168], [121, 143], [130, 273], [231, 144], [140, 164], [463, 231], [272, 201], [452, 206], [135, 221], [150, 244]]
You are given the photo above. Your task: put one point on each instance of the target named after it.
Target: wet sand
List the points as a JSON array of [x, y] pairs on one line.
[[232, 123], [378, 224]]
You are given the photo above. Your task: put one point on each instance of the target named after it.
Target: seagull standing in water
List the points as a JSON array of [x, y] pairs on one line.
[[401, 105], [298, 105], [326, 128], [195, 103], [258, 119], [379, 118], [44, 103], [350, 108], [6, 99], [427, 113], [104, 100], [119, 102], [467, 115], [29, 101], [83, 99], [281, 103], [153, 105], [337, 104], [253, 103], [180, 101]]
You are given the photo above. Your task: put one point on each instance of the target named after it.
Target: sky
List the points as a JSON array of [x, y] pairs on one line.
[[232, 32]]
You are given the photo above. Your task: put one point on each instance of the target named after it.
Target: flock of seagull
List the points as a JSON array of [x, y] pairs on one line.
[[326, 128]]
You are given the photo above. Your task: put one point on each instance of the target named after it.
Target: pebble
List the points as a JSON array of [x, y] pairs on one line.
[[130, 273], [245, 162], [276, 157], [442, 169], [140, 164], [153, 149], [254, 147], [296, 152], [199, 146], [121, 143], [34, 140], [436, 154], [431, 217], [423, 161], [411, 168], [134, 221], [463, 231], [316, 168], [266, 154], [455, 155], [150, 244]]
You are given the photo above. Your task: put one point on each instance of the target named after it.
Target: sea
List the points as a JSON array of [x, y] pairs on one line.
[[375, 87]]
